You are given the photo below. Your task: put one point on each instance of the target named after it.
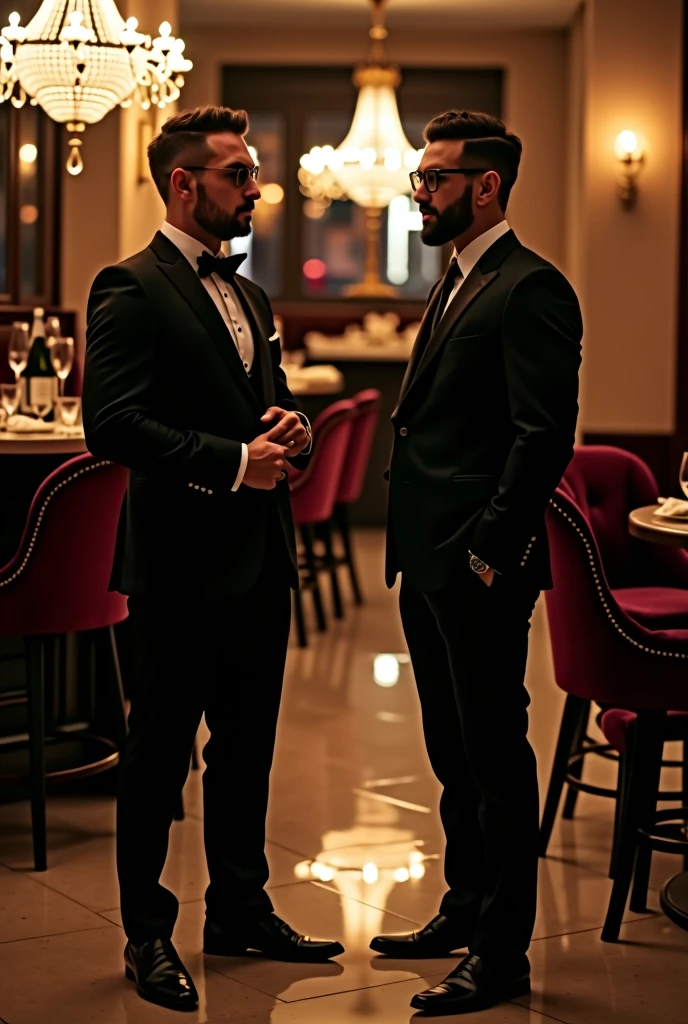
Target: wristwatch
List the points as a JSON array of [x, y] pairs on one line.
[[477, 565]]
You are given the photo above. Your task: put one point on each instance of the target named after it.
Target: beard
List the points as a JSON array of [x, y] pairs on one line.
[[449, 225], [216, 221]]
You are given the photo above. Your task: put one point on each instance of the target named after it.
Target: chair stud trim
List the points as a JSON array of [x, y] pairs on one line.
[[600, 591], [39, 518]]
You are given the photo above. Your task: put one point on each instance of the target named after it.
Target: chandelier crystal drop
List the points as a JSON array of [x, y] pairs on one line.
[[79, 59]]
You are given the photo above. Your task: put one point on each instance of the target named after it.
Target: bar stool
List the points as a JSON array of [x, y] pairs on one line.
[[601, 654], [648, 581], [313, 494], [367, 405], [57, 583]]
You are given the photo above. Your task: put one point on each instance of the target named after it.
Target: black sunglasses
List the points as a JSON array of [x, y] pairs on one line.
[[431, 177], [240, 174]]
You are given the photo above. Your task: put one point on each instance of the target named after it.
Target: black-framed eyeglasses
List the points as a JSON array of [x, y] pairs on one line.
[[240, 174], [431, 177]]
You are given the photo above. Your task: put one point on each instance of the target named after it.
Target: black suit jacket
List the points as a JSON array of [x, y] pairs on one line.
[[166, 395], [485, 424]]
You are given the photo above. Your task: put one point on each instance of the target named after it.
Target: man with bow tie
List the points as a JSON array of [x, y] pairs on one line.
[[484, 429], [183, 386]]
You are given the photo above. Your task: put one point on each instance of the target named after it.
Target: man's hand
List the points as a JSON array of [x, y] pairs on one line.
[[487, 577], [288, 430], [265, 464]]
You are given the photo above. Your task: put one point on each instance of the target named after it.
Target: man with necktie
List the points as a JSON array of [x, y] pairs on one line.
[[183, 386], [484, 429]]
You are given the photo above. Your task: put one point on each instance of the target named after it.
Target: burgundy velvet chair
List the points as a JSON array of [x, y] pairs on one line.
[[367, 404], [56, 584], [313, 496], [601, 654], [648, 581]]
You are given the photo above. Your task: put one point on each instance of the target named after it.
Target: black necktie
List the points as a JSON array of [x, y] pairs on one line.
[[450, 278], [224, 266]]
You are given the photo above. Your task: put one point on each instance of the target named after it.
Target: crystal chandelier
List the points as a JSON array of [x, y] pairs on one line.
[[371, 166], [79, 59]]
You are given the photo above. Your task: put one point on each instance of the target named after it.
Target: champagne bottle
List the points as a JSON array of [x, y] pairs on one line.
[[39, 392]]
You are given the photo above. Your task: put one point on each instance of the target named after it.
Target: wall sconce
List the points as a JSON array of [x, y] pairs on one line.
[[631, 157]]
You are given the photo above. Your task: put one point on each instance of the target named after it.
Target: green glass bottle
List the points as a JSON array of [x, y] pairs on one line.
[[39, 392]]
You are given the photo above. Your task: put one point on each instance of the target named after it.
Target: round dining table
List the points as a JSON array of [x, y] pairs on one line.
[[645, 524]]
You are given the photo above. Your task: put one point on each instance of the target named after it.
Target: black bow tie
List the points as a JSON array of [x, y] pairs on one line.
[[224, 266]]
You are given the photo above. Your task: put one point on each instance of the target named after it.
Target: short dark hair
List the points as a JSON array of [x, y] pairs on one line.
[[488, 142], [183, 138]]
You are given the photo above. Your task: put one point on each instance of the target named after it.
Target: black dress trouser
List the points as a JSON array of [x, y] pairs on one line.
[[468, 646], [224, 658]]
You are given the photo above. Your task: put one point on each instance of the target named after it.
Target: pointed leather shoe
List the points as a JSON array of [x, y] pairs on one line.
[[474, 985], [160, 975], [437, 939], [270, 936]]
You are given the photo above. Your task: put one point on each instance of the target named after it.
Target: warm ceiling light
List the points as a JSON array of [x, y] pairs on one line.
[[272, 193], [28, 153], [371, 165], [78, 65]]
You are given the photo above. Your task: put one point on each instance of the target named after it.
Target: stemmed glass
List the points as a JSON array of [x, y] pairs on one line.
[[62, 358], [19, 348], [52, 330], [9, 397], [683, 474]]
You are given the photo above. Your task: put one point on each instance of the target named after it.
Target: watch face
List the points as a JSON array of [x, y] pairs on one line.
[[477, 565]]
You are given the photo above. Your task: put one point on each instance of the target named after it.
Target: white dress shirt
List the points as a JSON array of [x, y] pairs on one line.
[[474, 252], [229, 308]]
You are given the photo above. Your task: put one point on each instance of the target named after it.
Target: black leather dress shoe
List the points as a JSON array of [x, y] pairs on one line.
[[437, 939], [160, 975], [270, 936], [474, 985]]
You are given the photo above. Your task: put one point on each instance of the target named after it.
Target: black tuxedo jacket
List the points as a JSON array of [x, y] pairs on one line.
[[166, 395], [485, 423]]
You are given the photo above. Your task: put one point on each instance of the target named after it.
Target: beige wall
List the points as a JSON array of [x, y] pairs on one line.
[[535, 96], [627, 261]]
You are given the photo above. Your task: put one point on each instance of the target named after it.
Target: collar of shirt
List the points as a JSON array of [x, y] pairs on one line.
[[188, 246], [476, 249]]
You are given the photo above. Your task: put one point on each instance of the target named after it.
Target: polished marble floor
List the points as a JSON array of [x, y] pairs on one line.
[[354, 846]]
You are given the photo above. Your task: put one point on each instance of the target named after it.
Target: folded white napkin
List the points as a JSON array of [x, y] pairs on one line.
[[672, 508], [25, 425]]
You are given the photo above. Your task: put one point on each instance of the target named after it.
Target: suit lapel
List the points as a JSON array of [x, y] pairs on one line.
[[425, 353], [424, 332], [180, 273], [480, 277]]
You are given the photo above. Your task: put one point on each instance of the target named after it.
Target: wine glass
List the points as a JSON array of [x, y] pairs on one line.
[[69, 409], [683, 474], [40, 407], [10, 395], [19, 348], [52, 330], [62, 358]]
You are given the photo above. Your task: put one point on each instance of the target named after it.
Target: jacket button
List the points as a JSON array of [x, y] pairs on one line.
[[403, 431]]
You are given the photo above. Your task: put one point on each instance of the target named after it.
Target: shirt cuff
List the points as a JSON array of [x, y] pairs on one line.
[[242, 468], [307, 424]]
